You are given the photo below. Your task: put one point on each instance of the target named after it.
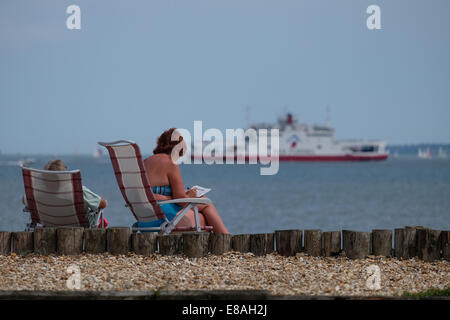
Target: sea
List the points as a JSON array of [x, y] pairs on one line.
[[398, 192]]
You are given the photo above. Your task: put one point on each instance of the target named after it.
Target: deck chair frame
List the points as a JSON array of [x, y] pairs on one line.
[[53, 197], [130, 151]]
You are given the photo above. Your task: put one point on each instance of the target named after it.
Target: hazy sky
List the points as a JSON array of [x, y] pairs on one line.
[[138, 67]]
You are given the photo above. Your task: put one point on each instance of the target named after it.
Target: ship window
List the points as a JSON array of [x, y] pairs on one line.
[[369, 148], [365, 149]]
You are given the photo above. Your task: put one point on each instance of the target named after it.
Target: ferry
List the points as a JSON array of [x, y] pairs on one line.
[[303, 142]]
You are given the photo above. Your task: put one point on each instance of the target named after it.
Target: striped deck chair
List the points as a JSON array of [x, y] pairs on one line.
[[130, 173], [55, 198]]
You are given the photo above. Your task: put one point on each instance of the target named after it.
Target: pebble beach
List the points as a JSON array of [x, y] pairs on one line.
[[297, 275]]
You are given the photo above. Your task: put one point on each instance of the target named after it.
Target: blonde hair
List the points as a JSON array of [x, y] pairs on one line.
[[55, 165]]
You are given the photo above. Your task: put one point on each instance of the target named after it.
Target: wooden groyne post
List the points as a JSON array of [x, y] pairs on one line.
[[95, 241], [288, 242], [409, 242], [5, 242], [445, 244], [118, 240], [219, 243], [428, 244], [406, 242], [22, 242], [241, 243], [262, 243], [144, 243], [170, 244], [196, 244], [331, 243], [313, 242], [356, 244], [69, 241], [382, 242], [45, 241]]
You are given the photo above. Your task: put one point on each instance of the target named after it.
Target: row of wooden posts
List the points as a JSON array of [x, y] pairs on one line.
[[409, 242]]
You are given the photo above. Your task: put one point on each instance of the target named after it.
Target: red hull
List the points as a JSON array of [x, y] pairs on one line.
[[335, 158], [315, 158]]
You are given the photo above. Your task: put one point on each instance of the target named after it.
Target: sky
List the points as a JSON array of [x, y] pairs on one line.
[[136, 68]]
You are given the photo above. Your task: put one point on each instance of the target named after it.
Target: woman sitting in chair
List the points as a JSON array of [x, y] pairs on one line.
[[165, 178]]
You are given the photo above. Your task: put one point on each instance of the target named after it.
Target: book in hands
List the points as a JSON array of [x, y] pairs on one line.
[[201, 191]]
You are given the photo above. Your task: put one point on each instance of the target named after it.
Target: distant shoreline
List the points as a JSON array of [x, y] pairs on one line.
[[411, 147]]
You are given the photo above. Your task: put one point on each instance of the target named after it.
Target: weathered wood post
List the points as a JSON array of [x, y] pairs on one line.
[[356, 244], [261, 243], [5, 242], [406, 242], [399, 235], [313, 242], [144, 243], [95, 240], [118, 240], [195, 244], [45, 240], [428, 244], [69, 241], [382, 242], [170, 244], [288, 242], [219, 243], [331, 243], [241, 243], [445, 244], [22, 242]]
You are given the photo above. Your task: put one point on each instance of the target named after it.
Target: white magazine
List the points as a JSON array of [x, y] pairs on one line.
[[201, 191]]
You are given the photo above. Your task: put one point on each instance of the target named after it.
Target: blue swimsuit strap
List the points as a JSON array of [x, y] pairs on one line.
[[164, 190]]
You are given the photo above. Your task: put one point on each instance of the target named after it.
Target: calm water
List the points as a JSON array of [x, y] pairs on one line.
[[327, 196]]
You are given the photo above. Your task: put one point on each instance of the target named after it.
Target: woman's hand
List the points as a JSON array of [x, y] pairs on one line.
[[192, 193]]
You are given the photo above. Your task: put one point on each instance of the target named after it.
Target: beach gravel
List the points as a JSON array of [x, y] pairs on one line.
[[297, 275]]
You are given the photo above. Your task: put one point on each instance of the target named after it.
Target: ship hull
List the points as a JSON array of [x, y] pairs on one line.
[[311, 158], [331, 158]]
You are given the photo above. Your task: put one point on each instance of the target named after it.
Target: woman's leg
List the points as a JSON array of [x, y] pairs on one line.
[[188, 219], [208, 215], [212, 217]]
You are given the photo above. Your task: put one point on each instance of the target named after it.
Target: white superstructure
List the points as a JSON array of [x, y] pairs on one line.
[[302, 142]]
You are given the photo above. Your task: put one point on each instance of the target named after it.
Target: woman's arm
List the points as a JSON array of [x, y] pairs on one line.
[[160, 197], [176, 181]]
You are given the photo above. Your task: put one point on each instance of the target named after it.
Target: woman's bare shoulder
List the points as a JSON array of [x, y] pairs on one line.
[[160, 159]]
